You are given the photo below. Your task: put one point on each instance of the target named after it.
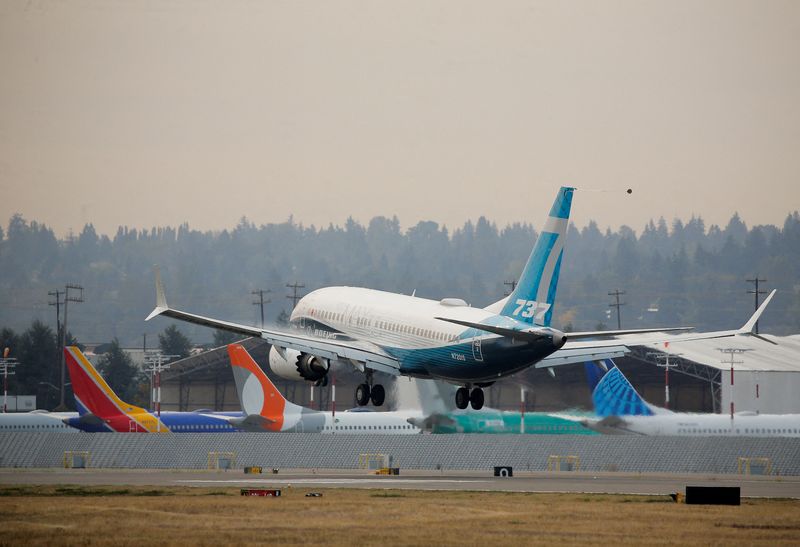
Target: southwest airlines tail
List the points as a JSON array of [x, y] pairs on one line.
[[532, 299], [263, 405], [98, 404]]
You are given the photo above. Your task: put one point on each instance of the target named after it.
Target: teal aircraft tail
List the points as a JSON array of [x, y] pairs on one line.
[[532, 299]]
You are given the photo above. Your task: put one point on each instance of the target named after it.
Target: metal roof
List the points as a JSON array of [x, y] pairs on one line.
[[760, 355]]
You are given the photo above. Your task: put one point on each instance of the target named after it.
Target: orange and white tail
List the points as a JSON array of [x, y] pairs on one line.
[[257, 394]]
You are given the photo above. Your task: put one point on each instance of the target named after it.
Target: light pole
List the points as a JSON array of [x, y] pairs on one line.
[[732, 352], [666, 365]]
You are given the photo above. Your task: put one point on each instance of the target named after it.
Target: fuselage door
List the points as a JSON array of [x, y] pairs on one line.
[[476, 349]]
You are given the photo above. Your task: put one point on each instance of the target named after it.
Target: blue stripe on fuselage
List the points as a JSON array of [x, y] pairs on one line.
[[457, 362]]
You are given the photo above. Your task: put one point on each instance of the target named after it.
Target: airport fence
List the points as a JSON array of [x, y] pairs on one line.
[[446, 452]]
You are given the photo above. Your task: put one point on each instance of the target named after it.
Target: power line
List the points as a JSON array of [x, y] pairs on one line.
[[293, 297], [261, 302], [67, 299], [617, 293], [755, 292]]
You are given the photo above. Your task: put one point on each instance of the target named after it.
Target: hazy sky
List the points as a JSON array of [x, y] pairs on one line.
[[159, 112]]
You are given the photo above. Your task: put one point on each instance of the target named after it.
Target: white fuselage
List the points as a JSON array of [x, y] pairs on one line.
[[36, 421], [387, 319], [708, 425], [303, 420]]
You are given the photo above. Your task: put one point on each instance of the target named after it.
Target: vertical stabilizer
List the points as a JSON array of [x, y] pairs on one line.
[[533, 298], [615, 396], [257, 394], [94, 396]]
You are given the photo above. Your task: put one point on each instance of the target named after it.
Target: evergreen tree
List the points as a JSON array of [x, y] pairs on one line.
[[174, 342], [120, 373], [224, 337]]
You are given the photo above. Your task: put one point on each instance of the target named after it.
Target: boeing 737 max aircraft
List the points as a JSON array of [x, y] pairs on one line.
[[446, 339]]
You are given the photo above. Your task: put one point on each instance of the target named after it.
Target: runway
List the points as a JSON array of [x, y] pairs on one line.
[[563, 482]]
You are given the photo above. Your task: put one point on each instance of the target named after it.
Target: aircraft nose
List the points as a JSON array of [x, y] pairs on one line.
[[559, 338]]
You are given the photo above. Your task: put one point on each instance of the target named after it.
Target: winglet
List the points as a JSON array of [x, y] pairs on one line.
[[161, 299], [749, 327]]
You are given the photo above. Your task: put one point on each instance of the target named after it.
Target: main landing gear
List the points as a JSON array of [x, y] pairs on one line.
[[465, 397], [365, 394]]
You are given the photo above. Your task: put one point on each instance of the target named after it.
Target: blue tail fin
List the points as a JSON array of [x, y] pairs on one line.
[[532, 299], [595, 370], [615, 396]]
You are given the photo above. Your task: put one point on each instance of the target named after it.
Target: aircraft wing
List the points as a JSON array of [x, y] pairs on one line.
[[578, 349], [360, 351]]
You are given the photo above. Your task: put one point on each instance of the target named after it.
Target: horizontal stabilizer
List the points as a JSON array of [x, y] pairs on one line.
[[508, 333], [251, 422], [85, 419]]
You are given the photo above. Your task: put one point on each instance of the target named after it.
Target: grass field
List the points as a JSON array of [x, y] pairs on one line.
[[71, 515]]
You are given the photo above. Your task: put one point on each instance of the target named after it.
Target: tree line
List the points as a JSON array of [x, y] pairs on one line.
[[38, 353], [678, 273]]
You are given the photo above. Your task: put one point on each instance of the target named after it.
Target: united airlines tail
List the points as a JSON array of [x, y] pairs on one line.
[[533, 298], [615, 396]]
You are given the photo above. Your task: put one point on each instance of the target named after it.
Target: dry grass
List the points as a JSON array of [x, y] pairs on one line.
[[121, 516]]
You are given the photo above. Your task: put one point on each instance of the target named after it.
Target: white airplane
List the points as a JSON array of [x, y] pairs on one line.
[[264, 408], [621, 410], [441, 339], [38, 421]]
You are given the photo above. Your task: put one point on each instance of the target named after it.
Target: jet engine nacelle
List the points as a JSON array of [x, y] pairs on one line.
[[299, 366]]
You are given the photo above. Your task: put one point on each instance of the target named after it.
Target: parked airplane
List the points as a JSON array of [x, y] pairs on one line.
[[38, 421], [621, 410], [440, 416], [266, 409], [447, 339], [99, 408]]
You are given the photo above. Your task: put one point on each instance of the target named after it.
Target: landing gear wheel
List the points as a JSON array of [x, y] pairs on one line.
[[476, 398], [378, 395], [462, 398], [362, 394]]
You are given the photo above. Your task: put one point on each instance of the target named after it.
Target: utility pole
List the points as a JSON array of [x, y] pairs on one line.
[[67, 299], [260, 302], [7, 365], [617, 293], [512, 284], [57, 304], [755, 292], [732, 352], [293, 297], [157, 362]]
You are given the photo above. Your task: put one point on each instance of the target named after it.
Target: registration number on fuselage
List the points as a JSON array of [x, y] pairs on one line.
[[458, 356]]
